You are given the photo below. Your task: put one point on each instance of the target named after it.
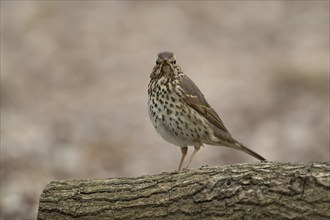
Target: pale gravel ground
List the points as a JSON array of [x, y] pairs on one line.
[[74, 78]]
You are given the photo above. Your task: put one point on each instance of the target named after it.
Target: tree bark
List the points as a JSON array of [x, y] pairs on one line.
[[246, 191]]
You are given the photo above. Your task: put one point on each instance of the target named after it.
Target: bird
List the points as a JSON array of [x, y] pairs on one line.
[[180, 113]]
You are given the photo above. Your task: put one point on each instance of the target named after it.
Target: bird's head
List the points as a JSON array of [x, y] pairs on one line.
[[165, 65]]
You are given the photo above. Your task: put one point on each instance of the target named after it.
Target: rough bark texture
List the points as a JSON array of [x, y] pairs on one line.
[[246, 191]]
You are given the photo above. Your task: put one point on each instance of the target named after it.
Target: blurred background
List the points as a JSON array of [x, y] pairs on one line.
[[74, 79]]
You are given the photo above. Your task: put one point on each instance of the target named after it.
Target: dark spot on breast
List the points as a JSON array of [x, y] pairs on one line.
[[167, 87], [169, 111], [173, 99]]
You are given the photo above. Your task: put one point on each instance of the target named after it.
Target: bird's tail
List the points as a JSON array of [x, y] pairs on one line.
[[226, 140], [238, 146], [250, 152]]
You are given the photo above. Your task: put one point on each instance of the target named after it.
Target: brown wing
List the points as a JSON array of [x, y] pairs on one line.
[[195, 99]]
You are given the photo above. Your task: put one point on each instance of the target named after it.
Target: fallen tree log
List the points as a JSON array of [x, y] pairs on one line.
[[246, 191]]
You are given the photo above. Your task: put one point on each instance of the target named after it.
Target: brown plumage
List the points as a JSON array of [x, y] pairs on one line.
[[180, 112]]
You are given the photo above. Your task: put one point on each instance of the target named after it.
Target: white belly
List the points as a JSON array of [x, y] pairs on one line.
[[178, 129]]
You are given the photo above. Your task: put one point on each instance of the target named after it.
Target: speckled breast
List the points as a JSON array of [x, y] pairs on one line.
[[175, 121]]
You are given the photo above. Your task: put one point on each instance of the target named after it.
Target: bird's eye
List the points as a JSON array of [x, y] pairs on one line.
[[173, 61], [157, 62]]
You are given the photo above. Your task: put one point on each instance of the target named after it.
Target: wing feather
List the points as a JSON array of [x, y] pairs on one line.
[[195, 99]]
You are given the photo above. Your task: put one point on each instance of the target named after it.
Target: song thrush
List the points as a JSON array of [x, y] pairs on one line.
[[180, 113]]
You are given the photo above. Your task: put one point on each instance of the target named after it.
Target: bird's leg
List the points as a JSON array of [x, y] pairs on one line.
[[184, 151], [197, 147]]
